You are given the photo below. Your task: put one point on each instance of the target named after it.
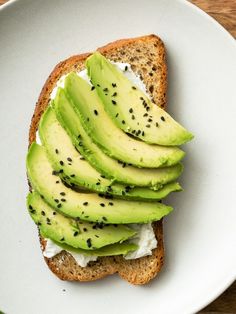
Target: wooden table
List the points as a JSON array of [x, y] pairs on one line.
[[224, 11]]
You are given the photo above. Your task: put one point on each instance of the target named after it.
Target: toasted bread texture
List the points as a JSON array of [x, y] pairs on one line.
[[146, 55]]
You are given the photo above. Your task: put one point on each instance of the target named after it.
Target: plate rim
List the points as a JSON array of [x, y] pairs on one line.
[[216, 292]]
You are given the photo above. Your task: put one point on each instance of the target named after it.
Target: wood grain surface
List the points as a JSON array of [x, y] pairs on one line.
[[224, 11]]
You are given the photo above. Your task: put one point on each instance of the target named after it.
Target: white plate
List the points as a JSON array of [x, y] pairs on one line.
[[200, 234]]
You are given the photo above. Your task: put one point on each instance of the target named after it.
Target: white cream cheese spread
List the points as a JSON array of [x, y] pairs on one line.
[[145, 237], [51, 249]]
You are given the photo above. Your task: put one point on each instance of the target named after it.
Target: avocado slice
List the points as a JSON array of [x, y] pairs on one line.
[[86, 206], [124, 101], [113, 141], [108, 250], [78, 172], [110, 168], [76, 233]]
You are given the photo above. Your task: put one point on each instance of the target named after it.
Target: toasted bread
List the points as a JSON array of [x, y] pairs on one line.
[[146, 55]]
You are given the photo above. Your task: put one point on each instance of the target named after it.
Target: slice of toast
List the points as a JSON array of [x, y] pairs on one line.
[[146, 55]]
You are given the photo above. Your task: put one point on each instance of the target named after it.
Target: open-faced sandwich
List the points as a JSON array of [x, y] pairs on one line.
[[103, 154]]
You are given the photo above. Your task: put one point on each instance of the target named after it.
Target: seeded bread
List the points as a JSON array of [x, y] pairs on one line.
[[147, 58]]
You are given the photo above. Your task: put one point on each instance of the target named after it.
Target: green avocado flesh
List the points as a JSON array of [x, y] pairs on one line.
[[87, 206], [76, 233], [109, 250], [110, 168], [113, 141], [78, 172], [130, 108]]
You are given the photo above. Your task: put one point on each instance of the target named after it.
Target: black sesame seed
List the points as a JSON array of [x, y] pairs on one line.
[[100, 225], [56, 200], [102, 204], [62, 239], [93, 87], [80, 144], [39, 223], [56, 151], [145, 115], [102, 176], [62, 193], [96, 236], [114, 102], [157, 125], [148, 108], [98, 85], [114, 85], [133, 117], [48, 220], [82, 158], [133, 132], [75, 233], [131, 110], [105, 89], [69, 159], [148, 126], [72, 175], [63, 199], [98, 183], [124, 165], [114, 95], [117, 115], [85, 229], [59, 206], [86, 216], [79, 136], [54, 172], [54, 213], [163, 119], [57, 182], [94, 227], [85, 203], [89, 242], [61, 171], [133, 87], [126, 68], [95, 112], [88, 119], [149, 120], [82, 212], [143, 133], [104, 218], [110, 203], [123, 121], [61, 163], [43, 212]]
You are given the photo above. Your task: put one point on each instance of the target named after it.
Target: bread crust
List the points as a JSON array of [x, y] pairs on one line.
[[146, 55]]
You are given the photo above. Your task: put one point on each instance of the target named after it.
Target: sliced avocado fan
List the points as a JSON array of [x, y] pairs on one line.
[[130, 108], [78, 234], [86, 206], [78, 172], [113, 141], [109, 167]]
